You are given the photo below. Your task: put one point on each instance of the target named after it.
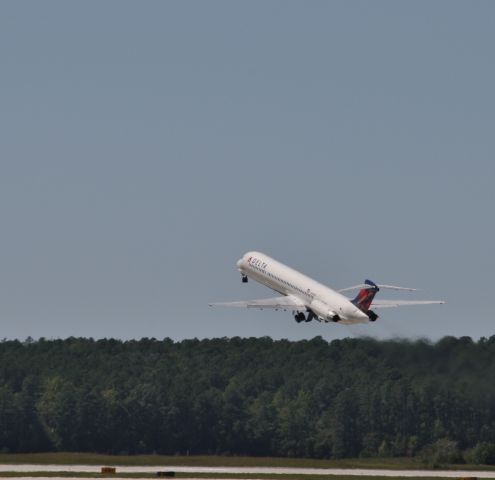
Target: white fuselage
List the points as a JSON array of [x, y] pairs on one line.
[[327, 304]]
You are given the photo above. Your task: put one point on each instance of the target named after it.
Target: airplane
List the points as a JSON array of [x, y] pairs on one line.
[[310, 300]]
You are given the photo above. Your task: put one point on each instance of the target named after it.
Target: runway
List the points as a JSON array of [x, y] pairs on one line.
[[30, 468]]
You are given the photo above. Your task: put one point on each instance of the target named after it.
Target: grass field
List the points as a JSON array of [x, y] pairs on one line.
[[204, 461], [221, 461], [205, 476]]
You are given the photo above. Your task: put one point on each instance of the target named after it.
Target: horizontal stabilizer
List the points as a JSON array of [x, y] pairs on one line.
[[367, 286], [393, 287], [403, 303], [278, 303]]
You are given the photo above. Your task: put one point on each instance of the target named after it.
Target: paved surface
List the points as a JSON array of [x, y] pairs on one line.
[[27, 468]]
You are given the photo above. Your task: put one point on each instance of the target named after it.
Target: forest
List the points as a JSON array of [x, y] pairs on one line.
[[251, 396]]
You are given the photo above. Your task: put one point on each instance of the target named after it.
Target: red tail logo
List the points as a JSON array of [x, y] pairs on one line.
[[365, 296]]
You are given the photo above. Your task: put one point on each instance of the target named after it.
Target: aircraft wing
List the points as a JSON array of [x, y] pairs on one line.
[[400, 303], [288, 302]]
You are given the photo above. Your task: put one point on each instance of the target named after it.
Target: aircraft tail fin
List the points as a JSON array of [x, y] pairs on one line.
[[366, 295]]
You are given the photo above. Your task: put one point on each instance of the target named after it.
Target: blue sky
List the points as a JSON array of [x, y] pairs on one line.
[[145, 146]]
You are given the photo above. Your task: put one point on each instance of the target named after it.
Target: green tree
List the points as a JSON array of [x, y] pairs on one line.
[[483, 453]]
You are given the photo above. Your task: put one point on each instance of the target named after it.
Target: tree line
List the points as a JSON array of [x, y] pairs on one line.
[[250, 396]]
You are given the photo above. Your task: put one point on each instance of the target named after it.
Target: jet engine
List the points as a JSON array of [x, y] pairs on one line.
[[323, 312], [372, 315]]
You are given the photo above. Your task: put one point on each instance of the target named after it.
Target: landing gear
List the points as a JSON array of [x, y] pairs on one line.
[[244, 278], [300, 317]]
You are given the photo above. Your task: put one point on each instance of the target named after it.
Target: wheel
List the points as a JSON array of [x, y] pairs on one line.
[[311, 316], [299, 317], [244, 279]]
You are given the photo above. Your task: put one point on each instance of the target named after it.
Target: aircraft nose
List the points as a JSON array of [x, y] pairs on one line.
[[239, 262]]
